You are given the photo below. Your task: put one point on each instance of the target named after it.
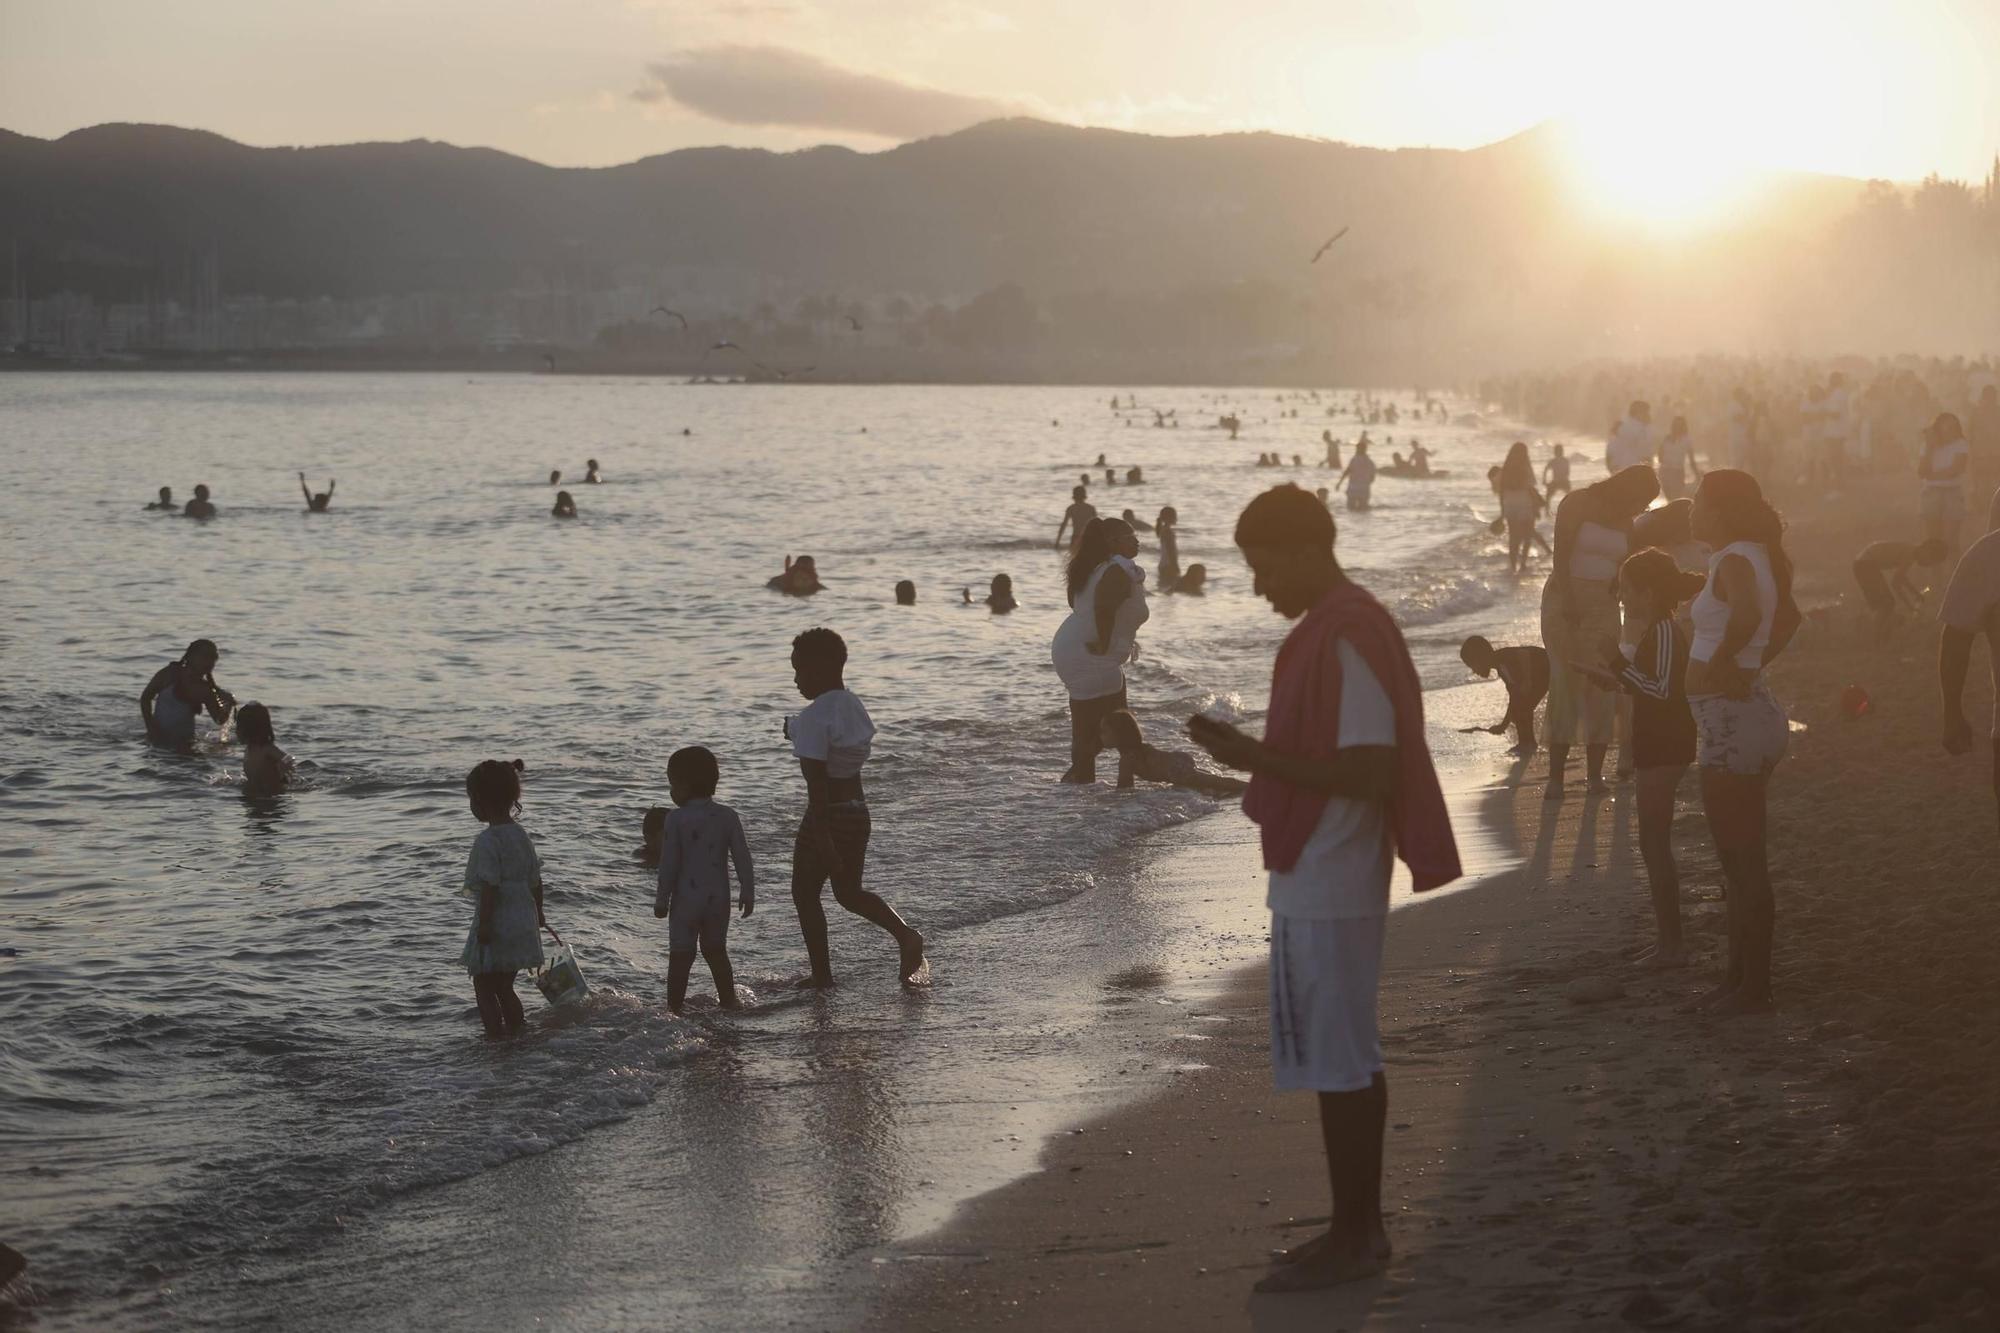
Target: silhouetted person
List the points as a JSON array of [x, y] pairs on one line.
[[1524, 670], [1136, 760], [800, 579], [179, 692], [1075, 518], [906, 593], [555, 476], [1133, 476], [199, 507], [1000, 595], [1358, 477], [1107, 598], [1134, 522], [166, 504], [316, 504], [1167, 531], [699, 841], [591, 476], [1555, 474], [832, 739], [647, 853], [1883, 571], [1194, 583], [565, 506]]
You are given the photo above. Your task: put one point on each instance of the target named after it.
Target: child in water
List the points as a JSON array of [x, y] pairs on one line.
[[565, 506], [504, 875], [1136, 759], [1194, 583], [697, 844], [266, 768], [647, 853], [999, 596]]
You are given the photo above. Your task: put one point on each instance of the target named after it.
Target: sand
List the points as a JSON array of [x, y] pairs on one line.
[[1561, 1162]]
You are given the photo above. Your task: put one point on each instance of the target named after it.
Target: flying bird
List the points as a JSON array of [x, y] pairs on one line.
[[726, 345], [662, 310], [1329, 244]]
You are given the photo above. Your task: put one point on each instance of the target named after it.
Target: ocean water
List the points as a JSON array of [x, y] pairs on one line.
[[240, 1074]]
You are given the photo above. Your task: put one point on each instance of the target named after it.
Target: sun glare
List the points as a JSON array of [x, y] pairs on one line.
[[1659, 166]]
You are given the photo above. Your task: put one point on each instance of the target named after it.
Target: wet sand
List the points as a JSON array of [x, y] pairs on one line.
[[1555, 1163]]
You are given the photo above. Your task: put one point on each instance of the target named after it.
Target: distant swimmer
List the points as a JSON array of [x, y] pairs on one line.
[[1167, 528], [906, 593], [1332, 450], [555, 477], [1134, 522], [1230, 423], [1075, 518], [1083, 479], [1000, 595], [1100, 462], [1323, 497], [1134, 477], [266, 768], [1298, 460], [316, 504], [565, 506], [1194, 583], [1328, 245], [652, 830], [800, 579], [179, 691], [166, 504], [1555, 474], [1358, 477], [1176, 768], [199, 507], [591, 476], [1420, 458], [1110, 477]]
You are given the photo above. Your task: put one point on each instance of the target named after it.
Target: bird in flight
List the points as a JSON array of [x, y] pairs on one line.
[[726, 345], [1329, 244], [662, 310]]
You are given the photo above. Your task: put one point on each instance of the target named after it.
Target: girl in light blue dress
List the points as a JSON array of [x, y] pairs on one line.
[[505, 878]]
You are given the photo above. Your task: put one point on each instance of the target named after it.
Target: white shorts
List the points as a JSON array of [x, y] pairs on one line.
[[1323, 981], [1742, 736]]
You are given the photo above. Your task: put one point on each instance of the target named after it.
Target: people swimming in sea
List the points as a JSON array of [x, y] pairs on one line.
[[1420, 458], [1000, 595], [1332, 450], [799, 579], [1324, 497], [555, 476], [591, 475], [166, 504], [179, 692], [565, 506], [1883, 571], [1134, 476], [1134, 522], [1166, 529], [1194, 583], [504, 877], [266, 768], [647, 853], [906, 593], [1075, 518], [1100, 459], [1136, 760], [699, 841], [1524, 670], [316, 504], [200, 506], [1358, 477]]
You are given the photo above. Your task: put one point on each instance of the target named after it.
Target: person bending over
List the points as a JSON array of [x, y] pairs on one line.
[[1136, 759], [1883, 571], [1524, 670]]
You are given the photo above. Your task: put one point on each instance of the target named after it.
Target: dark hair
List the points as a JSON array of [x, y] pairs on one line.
[[1678, 428], [906, 591], [654, 821], [1092, 550], [1286, 516], [1631, 489], [253, 724], [1476, 643], [1655, 573], [694, 767], [820, 644], [1077, 493], [495, 785], [1746, 516], [204, 646], [1002, 581], [1931, 550], [1946, 429], [1125, 728], [1517, 473], [1167, 515]]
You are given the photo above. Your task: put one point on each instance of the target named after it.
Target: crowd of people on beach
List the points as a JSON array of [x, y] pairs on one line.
[[1659, 624]]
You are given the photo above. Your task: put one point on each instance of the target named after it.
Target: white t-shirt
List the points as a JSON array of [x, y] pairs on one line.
[[836, 730], [1630, 445], [1972, 602], [1942, 459], [1344, 870]]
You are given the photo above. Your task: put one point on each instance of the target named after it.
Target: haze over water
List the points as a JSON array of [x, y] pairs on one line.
[[240, 1048]]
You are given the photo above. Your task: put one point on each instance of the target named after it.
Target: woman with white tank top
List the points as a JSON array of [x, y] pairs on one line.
[[1580, 614], [1743, 620]]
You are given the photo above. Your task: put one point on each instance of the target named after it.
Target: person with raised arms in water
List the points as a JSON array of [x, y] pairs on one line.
[[199, 507], [316, 504], [1580, 615], [1743, 619], [1341, 785], [1080, 514], [1107, 598], [832, 738], [166, 504], [179, 691], [1971, 607]]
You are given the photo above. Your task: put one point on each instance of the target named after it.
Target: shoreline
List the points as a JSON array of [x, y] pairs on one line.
[[1560, 1162]]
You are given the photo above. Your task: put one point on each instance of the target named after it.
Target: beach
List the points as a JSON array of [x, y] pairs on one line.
[[1557, 1161]]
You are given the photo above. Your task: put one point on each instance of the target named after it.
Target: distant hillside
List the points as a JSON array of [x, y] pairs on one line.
[[1453, 258]]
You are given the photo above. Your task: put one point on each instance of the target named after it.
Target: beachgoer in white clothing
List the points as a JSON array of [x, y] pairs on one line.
[[1107, 594], [1631, 442]]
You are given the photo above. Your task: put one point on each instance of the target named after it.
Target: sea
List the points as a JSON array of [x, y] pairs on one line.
[[242, 1081]]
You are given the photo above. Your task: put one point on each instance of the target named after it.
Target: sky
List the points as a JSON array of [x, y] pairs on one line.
[[1862, 88]]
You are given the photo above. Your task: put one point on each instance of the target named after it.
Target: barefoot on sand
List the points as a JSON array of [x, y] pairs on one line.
[[915, 969]]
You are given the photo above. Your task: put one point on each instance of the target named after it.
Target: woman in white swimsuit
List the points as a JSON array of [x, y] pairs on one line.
[[179, 691]]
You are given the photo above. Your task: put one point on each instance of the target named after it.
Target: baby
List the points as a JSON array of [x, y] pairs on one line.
[[266, 768]]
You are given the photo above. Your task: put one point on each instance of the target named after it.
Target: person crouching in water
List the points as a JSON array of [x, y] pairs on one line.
[[1340, 785], [697, 845], [1136, 759], [504, 875]]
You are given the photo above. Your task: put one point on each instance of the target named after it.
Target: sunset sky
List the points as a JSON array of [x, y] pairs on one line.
[[1857, 87]]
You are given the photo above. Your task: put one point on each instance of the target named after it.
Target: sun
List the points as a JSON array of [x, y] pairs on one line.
[[1658, 165]]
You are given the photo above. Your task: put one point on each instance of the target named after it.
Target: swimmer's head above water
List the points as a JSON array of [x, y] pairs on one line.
[[906, 593]]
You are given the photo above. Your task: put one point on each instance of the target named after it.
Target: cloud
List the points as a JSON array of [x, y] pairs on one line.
[[768, 85]]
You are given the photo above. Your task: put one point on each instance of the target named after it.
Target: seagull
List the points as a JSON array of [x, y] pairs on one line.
[[726, 345], [662, 310], [1329, 244]]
